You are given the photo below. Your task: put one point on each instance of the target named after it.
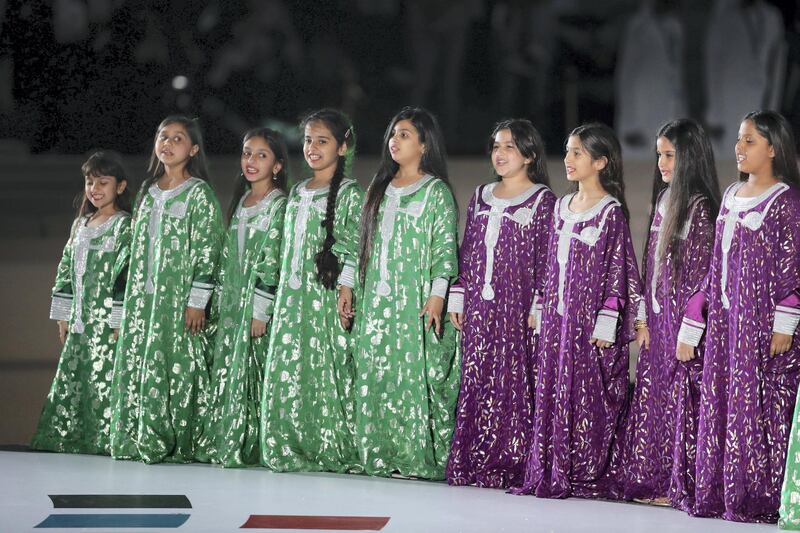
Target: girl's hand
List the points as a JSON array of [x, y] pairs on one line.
[[532, 321], [643, 337], [195, 320], [433, 313], [780, 343], [685, 352], [457, 319], [115, 334], [600, 343], [344, 305], [63, 329], [257, 328]]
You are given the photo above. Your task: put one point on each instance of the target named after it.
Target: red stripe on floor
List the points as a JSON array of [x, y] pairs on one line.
[[340, 523]]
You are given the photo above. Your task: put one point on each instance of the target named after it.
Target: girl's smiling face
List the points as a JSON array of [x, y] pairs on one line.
[[102, 191], [506, 157], [258, 160], [578, 161], [319, 147]]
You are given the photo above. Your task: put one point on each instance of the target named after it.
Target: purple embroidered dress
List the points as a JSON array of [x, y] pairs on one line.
[[662, 426], [592, 289], [747, 394], [501, 278]]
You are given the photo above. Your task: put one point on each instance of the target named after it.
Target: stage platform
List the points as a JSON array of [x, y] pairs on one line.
[[69, 493]]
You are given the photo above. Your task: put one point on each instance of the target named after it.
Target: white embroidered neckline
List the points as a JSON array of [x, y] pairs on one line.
[[757, 211], [589, 235], [495, 216]]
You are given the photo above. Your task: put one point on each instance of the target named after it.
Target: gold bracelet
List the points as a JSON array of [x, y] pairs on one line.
[[639, 324]]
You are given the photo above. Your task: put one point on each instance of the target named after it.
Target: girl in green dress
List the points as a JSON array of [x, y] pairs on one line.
[[307, 410], [406, 363], [87, 303], [160, 387], [246, 283]]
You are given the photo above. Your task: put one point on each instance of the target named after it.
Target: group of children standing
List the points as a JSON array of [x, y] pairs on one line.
[[312, 334]]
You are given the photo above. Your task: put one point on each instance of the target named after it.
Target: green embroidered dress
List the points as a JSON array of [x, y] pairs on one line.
[[88, 293], [248, 277], [160, 385], [307, 405], [407, 379]]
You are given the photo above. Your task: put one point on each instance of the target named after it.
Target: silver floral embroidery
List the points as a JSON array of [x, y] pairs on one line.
[[83, 244], [588, 235], [257, 217], [496, 215], [390, 210], [752, 221], [657, 226], [160, 198]]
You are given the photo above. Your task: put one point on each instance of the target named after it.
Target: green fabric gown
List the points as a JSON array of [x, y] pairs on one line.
[[407, 379], [789, 511], [88, 293], [248, 277], [161, 380], [308, 391]]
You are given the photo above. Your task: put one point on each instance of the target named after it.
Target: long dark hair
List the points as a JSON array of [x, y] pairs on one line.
[[433, 162], [341, 127], [695, 174], [197, 166], [778, 133], [104, 163], [529, 143], [279, 180], [600, 141]]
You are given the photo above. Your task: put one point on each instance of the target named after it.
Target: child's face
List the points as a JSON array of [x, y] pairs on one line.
[[174, 146], [404, 145], [102, 191], [753, 152], [258, 160], [579, 163], [506, 157], [319, 147], [665, 151]]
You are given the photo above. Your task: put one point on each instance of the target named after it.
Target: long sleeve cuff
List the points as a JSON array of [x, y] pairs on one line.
[[263, 302], [200, 295], [605, 327], [439, 287], [61, 306], [115, 320], [347, 276], [786, 319], [641, 313], [691, 332], [455, 301], [536, 311]]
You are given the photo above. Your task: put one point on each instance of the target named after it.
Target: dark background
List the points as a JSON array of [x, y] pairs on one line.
[[81, 74]]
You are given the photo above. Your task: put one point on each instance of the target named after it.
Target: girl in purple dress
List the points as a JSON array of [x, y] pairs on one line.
[[750, 303], [591, 297], [662, 426], [496, 304]]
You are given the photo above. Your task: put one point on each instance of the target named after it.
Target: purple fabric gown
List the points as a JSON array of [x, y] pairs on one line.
[[503, 257], [592, 290], [661, 438], [747, 394]]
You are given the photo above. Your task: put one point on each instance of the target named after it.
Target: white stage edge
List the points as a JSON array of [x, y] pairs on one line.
[[222, 500]]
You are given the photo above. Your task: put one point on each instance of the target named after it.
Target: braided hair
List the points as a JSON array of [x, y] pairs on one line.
[[342, 130]]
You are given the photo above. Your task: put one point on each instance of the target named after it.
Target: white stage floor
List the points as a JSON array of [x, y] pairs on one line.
[[223, 501]]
